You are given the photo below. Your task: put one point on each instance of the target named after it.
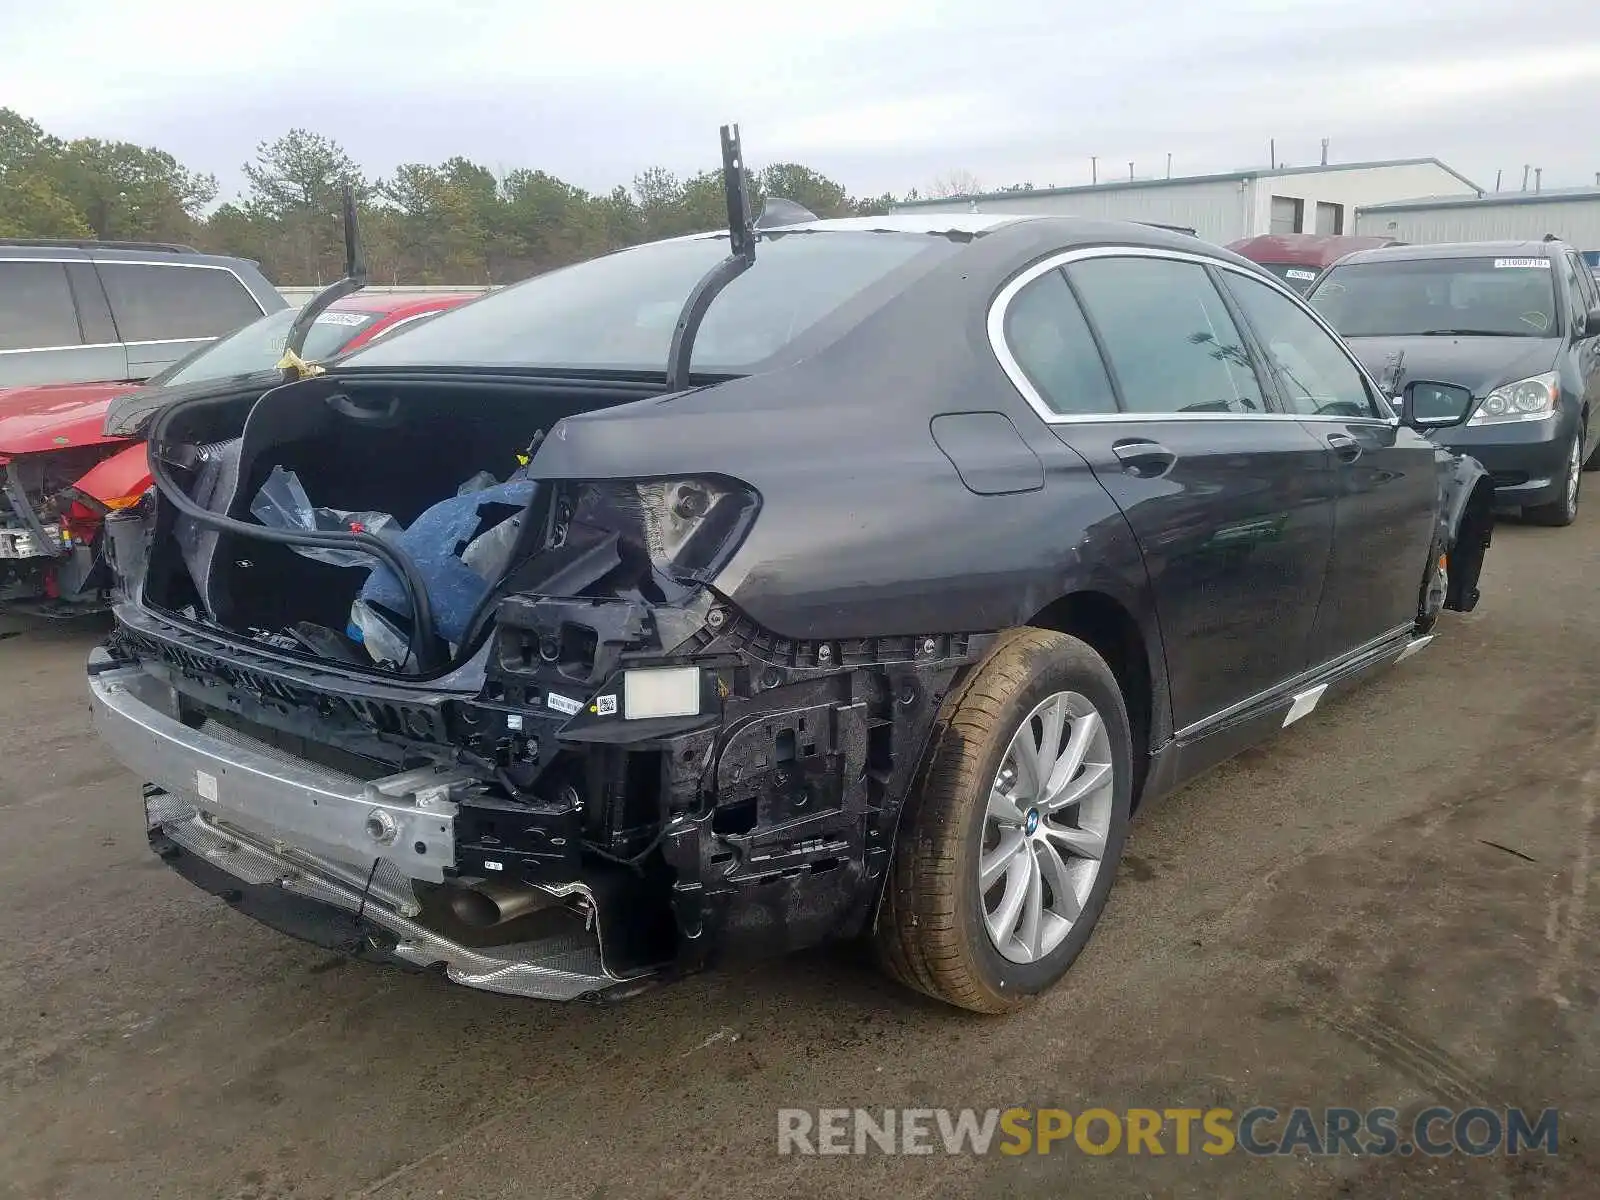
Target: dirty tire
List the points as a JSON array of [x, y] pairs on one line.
[[930, 930]]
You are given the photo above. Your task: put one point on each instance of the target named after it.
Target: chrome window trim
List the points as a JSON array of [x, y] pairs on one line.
[[1000, 306], [76, 346]]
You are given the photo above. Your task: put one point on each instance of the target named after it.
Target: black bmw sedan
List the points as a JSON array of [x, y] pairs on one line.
[[1515, 323], [834, 578]]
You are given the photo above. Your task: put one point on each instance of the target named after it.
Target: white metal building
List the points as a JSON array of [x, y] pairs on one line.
[[1572, 214], [1222, 208]]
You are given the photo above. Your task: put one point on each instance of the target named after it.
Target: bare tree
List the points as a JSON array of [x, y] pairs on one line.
[[959, 182]]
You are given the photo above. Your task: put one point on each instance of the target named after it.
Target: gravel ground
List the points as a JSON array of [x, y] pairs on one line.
[[1389, 905]]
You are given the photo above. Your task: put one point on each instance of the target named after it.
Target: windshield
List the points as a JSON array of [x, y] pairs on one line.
[[259, 346], [1500, 297], [1296, 276], [618, 312]]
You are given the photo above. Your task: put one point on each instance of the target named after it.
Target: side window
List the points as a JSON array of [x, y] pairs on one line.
[[1577, 302], [1051, 342], [36, 308], [1314, 375], [1588, 297], [1169, 337], [160, 303]]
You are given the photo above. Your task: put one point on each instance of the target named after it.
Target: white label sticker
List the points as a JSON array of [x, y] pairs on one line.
[[342, 318], [490, 865], [1538, 264], [562, 704], [206, 785], [513, 721], [1291, 273], [606, 706]]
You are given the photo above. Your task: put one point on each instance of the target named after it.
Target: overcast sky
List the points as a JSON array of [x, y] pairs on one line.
[[879, 94]]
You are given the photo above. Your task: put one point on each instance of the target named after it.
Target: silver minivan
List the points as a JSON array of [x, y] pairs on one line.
[[90, 311]]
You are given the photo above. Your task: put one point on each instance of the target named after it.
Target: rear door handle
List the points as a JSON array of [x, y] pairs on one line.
[[1345, 446], [1144, 459]]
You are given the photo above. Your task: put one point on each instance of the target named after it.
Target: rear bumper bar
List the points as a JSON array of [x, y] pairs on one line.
[[408, 819], [280, 826]]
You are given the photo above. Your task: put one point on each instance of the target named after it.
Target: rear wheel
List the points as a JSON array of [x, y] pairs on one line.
[[1435, 589], [1006, 853], [1564, 510]]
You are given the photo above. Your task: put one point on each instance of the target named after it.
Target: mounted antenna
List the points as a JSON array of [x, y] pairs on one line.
[[777, 212], [742, 253], [355, 278]]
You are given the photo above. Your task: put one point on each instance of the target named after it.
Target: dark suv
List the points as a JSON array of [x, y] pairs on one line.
[[88, 311], [1515, 323]]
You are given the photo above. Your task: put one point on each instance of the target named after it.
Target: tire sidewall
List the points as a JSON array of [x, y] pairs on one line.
[[1062, 672]]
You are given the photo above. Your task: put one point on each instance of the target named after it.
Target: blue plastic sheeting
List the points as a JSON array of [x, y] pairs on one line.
[[434, 543]]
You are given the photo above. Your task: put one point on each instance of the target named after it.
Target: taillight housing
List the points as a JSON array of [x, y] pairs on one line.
[[688, 527]]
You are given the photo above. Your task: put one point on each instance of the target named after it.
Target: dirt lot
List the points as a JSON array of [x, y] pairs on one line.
[[1390, 905]]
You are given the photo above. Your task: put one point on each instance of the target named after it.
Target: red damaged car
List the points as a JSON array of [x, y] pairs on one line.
[[64, 465], [1298, 258]]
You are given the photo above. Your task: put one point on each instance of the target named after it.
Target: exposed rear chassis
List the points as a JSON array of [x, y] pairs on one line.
[[809, 747]]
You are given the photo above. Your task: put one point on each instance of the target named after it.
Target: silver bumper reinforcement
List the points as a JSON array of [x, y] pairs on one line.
[[265, 817]]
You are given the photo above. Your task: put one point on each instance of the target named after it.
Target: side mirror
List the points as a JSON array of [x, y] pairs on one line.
[[1431, 405], [1591, 323]]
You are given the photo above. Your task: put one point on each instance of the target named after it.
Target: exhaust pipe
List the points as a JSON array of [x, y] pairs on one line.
[[491, 904]]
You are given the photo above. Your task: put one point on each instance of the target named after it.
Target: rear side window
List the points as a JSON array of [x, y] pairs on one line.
[[1169, 337], [1051, 342], [1586, 285], [153, 303], [36, 310], [1314, 376]]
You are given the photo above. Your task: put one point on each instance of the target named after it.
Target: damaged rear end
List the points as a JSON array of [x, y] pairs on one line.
[[581, 769], [413, 675]]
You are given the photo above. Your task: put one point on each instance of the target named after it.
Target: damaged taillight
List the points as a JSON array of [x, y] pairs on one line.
[[79, 522], [689, 528]]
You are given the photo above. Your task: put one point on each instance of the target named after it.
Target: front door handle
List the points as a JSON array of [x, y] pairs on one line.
[[1345, 446], [1144, 459]]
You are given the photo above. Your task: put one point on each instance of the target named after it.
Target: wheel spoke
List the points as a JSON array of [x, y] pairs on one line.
[[1052, 722], [996, 861], [1064, 896], [1003, 921], [1084, 729], [1080, 843], [1031, 929], [1095, 776], [1025, 754], [1003, 809]]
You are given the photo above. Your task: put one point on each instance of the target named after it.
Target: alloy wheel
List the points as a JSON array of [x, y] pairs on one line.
[[1045, 828]]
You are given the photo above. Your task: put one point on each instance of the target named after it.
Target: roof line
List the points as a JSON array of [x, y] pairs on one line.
[[1490, 199], [1222, 177]]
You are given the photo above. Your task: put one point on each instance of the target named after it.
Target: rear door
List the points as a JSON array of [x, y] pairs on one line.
[[1386, 476], [50, 335], [165, 310], [1230, 502]]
